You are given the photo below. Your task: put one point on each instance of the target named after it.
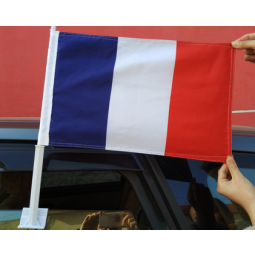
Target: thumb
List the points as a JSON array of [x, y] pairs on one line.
[[232, 166], [223, 173]]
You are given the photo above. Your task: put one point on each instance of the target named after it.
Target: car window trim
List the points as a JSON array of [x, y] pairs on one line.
[[143, 199], [167, 194]]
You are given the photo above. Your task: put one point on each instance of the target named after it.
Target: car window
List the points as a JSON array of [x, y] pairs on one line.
[[96, 199], [227, 213], [56, 158]]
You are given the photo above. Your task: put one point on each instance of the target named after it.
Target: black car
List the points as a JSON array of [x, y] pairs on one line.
[[82, 187]]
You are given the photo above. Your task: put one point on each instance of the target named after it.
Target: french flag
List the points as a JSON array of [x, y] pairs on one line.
[[148, 96]]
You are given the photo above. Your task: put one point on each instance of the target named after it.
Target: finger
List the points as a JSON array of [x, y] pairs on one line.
[[86, 220], [249, 52], [133, 225], [83, 223], [244, 44], [247, 37], [249, 58], [125, 220], [130, 219], [131, 222], [223, 173], [232, 166]]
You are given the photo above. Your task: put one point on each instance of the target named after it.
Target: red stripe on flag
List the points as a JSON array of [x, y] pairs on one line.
[[199, 124]]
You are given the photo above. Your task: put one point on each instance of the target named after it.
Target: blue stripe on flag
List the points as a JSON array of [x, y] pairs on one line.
[[84, 72]]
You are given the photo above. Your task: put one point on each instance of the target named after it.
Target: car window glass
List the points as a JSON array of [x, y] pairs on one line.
[[228, 214], [73, 197], [75, 220]]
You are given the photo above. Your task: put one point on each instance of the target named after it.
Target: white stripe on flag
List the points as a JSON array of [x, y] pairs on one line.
[[43, 137], [140, 96]]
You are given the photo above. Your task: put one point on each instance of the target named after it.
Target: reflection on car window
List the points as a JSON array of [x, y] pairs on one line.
[[15, 189], [68, 178], [89, 161], [213, 208], [76, 200], [109, 221], [76, 220]]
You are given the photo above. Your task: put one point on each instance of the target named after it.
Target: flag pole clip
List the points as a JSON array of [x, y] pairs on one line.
[[40, 222]]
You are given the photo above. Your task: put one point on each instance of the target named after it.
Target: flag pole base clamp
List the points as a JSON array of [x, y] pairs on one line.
[[40, 222]]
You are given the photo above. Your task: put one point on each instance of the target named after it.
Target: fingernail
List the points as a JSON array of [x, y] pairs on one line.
[[235, 43]]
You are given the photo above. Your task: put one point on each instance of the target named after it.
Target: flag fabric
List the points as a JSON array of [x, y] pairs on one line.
[[148, 96]]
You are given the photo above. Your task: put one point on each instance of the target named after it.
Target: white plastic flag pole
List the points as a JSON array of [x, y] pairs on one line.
[[34, 217], [36, 184]]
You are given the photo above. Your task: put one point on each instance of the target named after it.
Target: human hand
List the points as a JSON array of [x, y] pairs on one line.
[[91, 222], [247, 44], [130, 222], [233, 185]]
